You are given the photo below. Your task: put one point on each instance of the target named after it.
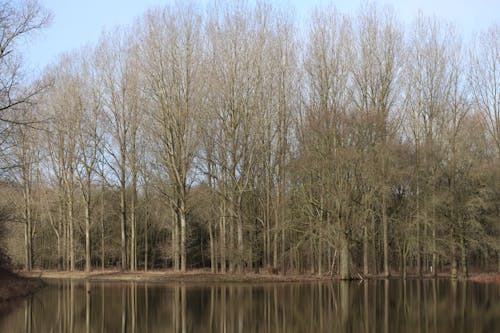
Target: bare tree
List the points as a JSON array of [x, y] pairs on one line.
[[89, 141], [119, 74], [171, 62], [26, 157], [18, 20], [378, 45], [63, 105], [328, 66], [431, 72], [485, 83]]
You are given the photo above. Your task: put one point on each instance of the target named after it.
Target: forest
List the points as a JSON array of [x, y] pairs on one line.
[[235, 138]]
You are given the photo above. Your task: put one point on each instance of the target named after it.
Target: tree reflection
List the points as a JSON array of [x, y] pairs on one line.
[[409, 306]]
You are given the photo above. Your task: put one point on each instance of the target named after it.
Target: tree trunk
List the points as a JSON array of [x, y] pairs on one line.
[[404, 265], [320, 253], [434, 251], [454, 272], [71, 231], [344, 273], [133, 222], [87, 234], [183, 235], [385, 236], [146, 230], [419, 258], [60, 259], [175, 240], [465, 270], [231, 256], [28, 248], [365, 251], [222, 236], [103, 256], [213, 263], [241, 248], [123, 221], [275, 245]]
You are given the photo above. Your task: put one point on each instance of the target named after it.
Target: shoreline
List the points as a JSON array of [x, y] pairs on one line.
[[13, 285], [14, 288], [203, 276], [192, 276]]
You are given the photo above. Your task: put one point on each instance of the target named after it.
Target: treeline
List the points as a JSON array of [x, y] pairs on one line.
[[220, 138]]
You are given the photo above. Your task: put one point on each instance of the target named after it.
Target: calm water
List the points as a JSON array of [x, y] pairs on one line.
[[375, 306]]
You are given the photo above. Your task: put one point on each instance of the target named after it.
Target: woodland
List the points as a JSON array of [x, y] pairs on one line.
[[236, 138]]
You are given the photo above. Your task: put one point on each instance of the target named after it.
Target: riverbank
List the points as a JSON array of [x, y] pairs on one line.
[[194, 276], [486, 278], [13, 288], [204, 276], [13, 285]]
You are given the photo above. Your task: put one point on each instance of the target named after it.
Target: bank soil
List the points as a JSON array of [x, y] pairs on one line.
[[202, 276], [486, 278], [195, 276]]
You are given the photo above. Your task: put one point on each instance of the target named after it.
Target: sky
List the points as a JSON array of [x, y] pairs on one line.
[[77, 23]]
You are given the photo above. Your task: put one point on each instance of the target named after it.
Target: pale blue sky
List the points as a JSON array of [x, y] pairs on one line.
[[77, 23]]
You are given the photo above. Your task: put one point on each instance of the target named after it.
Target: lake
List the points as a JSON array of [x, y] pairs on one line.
[[369, 306]]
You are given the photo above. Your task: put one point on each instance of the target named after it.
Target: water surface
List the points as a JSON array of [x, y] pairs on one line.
[[374, 306]]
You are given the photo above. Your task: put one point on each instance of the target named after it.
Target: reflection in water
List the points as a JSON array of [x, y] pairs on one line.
[[373, 306]]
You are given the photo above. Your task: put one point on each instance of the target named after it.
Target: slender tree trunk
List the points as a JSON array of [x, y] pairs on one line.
[[365, 251], [405, 265], [87, 234], [175, 240], [433, 231], [28, 240], [123, 219], [71, 227], [241, 247], [28, 227], [311, 246], [133, 222], [213, 263], [103, 254], [59, 266], [344, 270], [60, 233], [320, 252], [222, 237], [275, 244], [385, 236], [267, 232], [183, 235], [454, 271], [146, 230], [465, 270], [434, 251], [232, 248], [419, 257]]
